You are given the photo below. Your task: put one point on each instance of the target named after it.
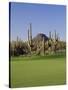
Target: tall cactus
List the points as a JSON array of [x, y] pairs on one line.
[[55, 35], [28, 37], [30, 34], [43, 46], [50, 35], [55, 43]]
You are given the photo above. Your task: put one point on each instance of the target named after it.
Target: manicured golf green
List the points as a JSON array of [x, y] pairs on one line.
[[38, 71]]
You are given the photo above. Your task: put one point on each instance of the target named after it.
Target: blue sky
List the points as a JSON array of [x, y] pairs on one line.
[[44, 18]]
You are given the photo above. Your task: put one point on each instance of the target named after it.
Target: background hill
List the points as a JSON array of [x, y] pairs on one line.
[[39, 37]]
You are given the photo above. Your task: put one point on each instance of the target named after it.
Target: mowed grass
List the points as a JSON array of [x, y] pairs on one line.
[[38, 71]]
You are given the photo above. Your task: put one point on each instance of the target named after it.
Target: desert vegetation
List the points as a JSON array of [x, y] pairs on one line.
[[38, 45]]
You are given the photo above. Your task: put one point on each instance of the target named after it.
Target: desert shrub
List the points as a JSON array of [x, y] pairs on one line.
[[18, 48]]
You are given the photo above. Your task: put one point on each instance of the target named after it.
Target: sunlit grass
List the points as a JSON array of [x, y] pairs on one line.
[[38, 71]]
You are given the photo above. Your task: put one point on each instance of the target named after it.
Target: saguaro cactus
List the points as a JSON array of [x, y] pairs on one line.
[[30, 36], [55, 43], [55, 35], [43, 46], [50, 35]]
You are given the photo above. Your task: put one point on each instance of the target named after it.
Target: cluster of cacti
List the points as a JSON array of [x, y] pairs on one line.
[[38, 46], [43, 47]]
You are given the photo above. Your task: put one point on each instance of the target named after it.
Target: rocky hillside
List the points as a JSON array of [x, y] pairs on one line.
[[39, 37]]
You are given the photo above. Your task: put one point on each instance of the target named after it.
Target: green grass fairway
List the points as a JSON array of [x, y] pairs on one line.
[[38, 71]]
